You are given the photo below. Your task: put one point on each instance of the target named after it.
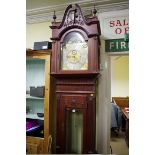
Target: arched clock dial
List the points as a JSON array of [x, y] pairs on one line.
[[74, 54], [75, 57]]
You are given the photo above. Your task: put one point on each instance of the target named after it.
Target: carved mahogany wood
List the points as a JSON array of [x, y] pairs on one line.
[[76, 89]]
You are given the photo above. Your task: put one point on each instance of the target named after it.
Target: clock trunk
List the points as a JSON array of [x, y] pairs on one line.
[[76, 115]]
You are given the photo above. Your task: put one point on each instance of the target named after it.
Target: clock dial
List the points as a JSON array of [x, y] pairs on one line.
[[74, 54], [73, 57]]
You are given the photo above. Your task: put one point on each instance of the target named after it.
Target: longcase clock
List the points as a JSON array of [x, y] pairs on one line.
[[75, 66]]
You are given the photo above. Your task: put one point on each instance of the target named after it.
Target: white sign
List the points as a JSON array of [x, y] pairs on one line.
[[115, 27]]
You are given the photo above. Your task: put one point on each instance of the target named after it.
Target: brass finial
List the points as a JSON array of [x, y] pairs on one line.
[[54, 16], [94, 11]]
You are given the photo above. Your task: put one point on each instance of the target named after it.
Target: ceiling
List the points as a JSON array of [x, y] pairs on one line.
[[42, 10]]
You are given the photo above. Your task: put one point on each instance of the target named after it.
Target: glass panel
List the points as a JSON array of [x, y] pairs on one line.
[[35, 77], [35, 72], [74, 52], [74, 131]]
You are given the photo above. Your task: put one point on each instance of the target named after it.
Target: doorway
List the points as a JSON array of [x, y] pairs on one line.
[[119, 88]]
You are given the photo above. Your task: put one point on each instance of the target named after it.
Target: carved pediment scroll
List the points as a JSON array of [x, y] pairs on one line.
[[74, 18]]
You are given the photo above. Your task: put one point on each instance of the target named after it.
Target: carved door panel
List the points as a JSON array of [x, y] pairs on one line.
[[75, 124]]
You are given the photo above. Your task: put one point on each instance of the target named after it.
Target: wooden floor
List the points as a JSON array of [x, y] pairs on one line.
[[118, 144]]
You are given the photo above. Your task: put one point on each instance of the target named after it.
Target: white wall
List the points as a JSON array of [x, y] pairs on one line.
[[37, 32], [103, 108]]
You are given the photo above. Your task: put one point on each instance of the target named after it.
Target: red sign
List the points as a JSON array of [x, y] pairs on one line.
[[121, 26]]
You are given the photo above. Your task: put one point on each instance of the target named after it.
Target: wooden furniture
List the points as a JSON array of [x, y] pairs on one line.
[[121, 101], [125, 112], [75, 66], [37, 74], [123, 104]]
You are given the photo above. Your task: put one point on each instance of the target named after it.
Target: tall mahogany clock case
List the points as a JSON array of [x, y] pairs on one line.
[[75, 66]]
